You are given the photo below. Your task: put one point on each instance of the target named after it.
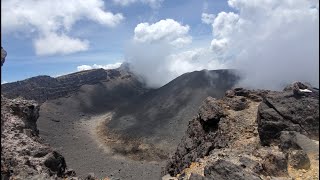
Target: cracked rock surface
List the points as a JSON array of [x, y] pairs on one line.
[[252, 134], [285, 111], [23, 155]]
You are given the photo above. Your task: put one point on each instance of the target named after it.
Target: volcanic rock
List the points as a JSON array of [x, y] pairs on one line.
[[42, 88], [224, 170], [3, 56], [28, 111], [299, 159], [258, 139], [56, 163], [23, 155], [283, 111], [195, 176]]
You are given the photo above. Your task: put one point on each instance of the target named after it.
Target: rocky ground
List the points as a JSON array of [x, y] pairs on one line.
[[77, 137], [252, 135], [23, 155]]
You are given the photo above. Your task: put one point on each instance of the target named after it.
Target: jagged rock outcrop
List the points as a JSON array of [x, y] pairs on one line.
[[289, 111], [214, 128], [3, 55], [28, 111], [252, 135], [23, 155]]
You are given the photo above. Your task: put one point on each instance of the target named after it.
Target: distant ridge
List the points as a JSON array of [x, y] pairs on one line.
[[42, 88]]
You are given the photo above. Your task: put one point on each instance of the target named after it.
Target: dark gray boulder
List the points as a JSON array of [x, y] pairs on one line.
[[56, 163], [3, 55], [224, 170], [283, 111], [299, 159]]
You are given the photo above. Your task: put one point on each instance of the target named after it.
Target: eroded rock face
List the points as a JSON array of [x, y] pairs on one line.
[[222, 169], [28, 111], [214, 128], [23, 156], [285, 111], [251, 135]]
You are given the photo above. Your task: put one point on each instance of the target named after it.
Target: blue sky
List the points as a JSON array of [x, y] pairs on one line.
[[106, 43], [163, 39]]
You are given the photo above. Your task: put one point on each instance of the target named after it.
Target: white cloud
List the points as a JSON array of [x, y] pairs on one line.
[[219, 45], [52, 44], [96, 66], [158, 63], [151, 52], [207, 18], [108, 66], [165, 31], [193, 60], [3, 82], [50, 17], [151, 3], [273, 42], [84, 67], [225, 23]]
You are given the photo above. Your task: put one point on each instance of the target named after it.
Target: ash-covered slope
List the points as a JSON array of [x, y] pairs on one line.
[[158, 119], [42, 88]]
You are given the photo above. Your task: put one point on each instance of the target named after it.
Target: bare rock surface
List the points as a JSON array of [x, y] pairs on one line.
[[23, 155], [285, 111], [252, 134], [3, 56]]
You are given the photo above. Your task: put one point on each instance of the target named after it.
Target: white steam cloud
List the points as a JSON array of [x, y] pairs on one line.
[[154, 52], [273, 42], [97, 66]]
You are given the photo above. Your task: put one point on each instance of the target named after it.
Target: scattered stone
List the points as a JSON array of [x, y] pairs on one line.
[[56, 163], [299, 159], [211, 110], [275, 164], [90, 177], [237, 103], [224, 170], [195, 176]]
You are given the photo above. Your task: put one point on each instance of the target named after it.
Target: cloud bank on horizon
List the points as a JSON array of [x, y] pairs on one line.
[[272, 42], [97, 66]]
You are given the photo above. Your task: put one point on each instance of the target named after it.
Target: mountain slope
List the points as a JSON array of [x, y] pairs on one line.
[[42, 88], [160, 117]]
